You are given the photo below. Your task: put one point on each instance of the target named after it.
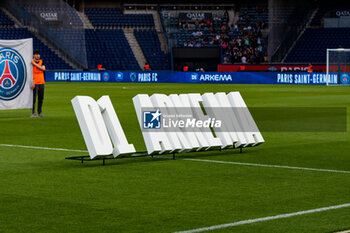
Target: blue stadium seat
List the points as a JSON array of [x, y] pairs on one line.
[[52, 61], [114, 17], [5, 20], [150, 45], [312, 45], [109, 48]]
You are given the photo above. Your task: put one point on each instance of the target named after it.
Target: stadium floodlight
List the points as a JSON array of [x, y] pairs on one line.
[[338, 62]]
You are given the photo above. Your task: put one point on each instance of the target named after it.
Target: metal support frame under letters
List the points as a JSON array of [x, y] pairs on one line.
[[140, 154]]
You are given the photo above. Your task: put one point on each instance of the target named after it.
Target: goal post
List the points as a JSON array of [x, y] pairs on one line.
[[338, 66]]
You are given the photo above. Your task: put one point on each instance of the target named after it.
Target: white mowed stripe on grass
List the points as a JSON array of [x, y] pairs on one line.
[[198, 160], [255, 220], [43, 148], [268, 165]]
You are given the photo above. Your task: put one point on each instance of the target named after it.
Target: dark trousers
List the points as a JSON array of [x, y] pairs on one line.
[[38, 91]]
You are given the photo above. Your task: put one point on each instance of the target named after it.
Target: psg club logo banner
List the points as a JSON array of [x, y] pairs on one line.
[[16, 75], [344, 78], [13, 74]]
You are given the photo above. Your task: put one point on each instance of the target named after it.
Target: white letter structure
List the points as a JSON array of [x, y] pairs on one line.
[[233, 132], [156, 142], [99, 125]]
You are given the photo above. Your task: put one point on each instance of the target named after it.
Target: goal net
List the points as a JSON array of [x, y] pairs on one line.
[[338, 66]]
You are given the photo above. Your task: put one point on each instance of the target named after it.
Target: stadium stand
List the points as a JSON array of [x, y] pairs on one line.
[[110, 48], [312, 45], [64, 12], [295, 21], [52, 61], [241, 39], [246, 43], [106, 44], [109, 17], [5, 21], [150, 44], [70, 39], [253, 15], [317, 19], [186, 30], [112, 18], [325, 11]]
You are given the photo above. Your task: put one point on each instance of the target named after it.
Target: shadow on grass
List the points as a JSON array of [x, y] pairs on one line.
[[160, 158]]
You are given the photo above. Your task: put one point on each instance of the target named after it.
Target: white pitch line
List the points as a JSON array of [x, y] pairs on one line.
[[198, 160], [43, 148], [267, 165], [250, 221]]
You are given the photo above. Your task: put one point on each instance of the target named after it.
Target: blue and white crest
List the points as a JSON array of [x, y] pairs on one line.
[[13, 74], [344, 78], [105, 77], [133, 76]]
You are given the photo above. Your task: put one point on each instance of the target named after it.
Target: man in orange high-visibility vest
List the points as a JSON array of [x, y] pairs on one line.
[[38, 83], [310, 68]]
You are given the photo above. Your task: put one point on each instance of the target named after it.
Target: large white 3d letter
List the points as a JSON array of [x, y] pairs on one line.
[[176, 137], [203, 142], [213, 109], [195, 100], [156, 142], [92, 126], [189, 135], [252, 132], [231, 120], [114, 128]]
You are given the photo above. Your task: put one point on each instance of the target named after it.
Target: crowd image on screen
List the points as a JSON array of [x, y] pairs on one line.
[[240, 42]]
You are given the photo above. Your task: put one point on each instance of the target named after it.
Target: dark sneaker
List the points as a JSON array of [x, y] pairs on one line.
[[41, 115], [33, 116]]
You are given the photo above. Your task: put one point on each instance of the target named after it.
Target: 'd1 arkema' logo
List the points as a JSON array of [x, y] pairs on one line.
[[194, 76], [13, 74]]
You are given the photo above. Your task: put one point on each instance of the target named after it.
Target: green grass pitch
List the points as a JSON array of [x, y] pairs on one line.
[[40, 191]]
